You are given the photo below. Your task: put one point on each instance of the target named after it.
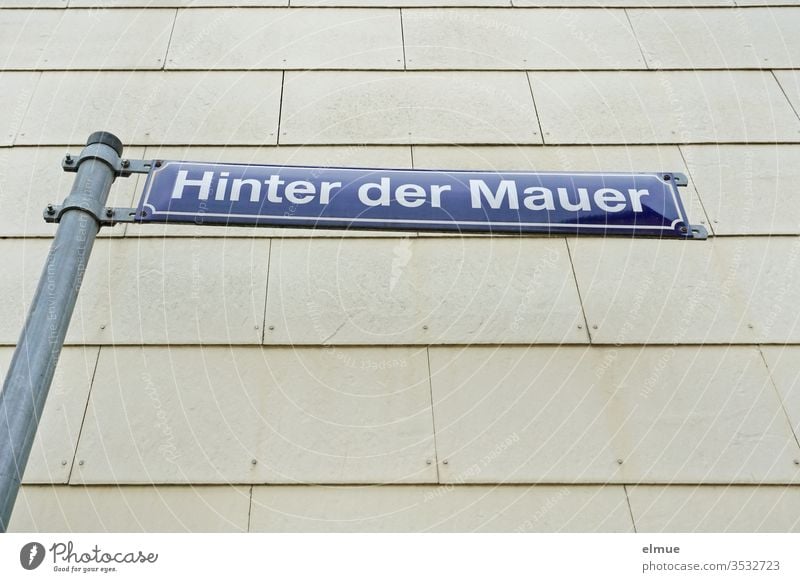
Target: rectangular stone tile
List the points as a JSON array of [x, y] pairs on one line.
[[519, 39], [422, 291], [347, 156], [609, 415], [663, 107], [179, 3], [131, 509], [16, 92], [622, 3], [402, 3], [152, 107], [57, 436], [766, 2], [31, 178], [203, 415], [358, 107], [715, 509], [179, 291], [149, 291], [784, 367], [35, 3], [287, 39], [108, 39], [564, 159], [747, 189], [440, 509], [718, 39], [725, 290]]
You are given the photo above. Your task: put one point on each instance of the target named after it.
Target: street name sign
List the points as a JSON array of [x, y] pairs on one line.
[[632, 204]]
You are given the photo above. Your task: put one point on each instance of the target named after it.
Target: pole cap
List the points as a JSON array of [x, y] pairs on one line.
[[106, 138]]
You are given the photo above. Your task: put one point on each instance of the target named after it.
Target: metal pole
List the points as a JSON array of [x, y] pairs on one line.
[[36, 355]]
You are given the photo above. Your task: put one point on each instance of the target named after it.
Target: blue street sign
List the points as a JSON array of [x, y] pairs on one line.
[[647, 204]]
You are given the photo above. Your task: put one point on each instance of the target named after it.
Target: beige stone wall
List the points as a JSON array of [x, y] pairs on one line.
[[294, 380]]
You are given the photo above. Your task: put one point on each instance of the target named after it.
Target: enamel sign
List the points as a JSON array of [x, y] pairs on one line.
[[646, 204]]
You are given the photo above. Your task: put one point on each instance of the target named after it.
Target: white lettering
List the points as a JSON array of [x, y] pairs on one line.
[[272, 188], [182, 182], [566, 204], [300, 192], [539, 198], [383, 188], [636, 198], [436, 194], [222, 184], [255, 189], [609, 200], [325, 192], [410, 195], [507, 188]]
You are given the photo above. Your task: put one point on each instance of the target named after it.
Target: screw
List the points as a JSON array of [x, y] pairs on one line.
[[619, 461], [109, 212], [684, 230], [580, 326], [428, 461], [253, 462], [271, 327], [158, 163], [50, 209], [444, 462], [68, 159], [750, 325], [103, 326], [144, 213], [80, 462], [424, 327], [594, 326], [63, 463], [126, 163], [797, 462]]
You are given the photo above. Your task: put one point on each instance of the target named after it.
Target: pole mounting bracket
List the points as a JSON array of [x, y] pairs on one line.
[[108, 217], [122, 167]]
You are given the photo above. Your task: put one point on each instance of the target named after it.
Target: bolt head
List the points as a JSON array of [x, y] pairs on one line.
[[126, 163]]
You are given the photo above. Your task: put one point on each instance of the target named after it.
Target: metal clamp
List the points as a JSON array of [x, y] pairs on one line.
[[108, 217], [122, 167], [698, 232]]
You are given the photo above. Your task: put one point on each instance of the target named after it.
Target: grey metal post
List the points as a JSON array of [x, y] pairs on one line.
[[31, 371]]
